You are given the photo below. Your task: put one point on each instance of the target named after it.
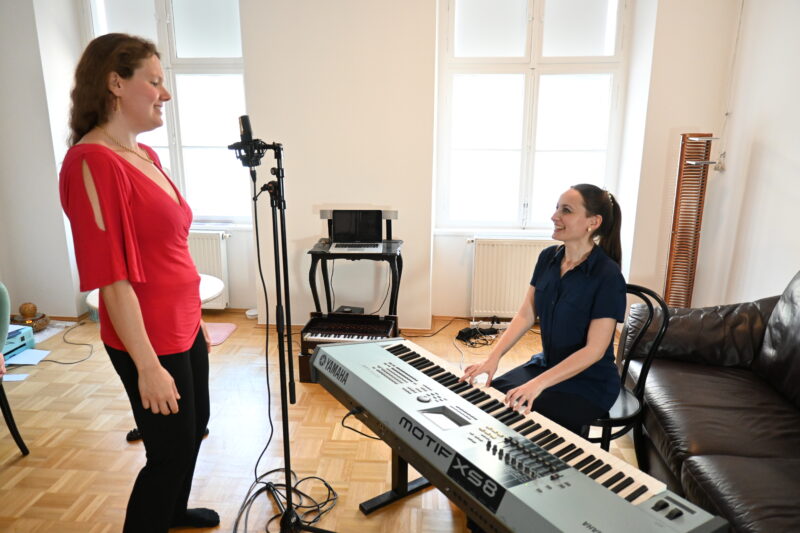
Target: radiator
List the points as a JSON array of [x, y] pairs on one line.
[[501, 273], [210, 253]]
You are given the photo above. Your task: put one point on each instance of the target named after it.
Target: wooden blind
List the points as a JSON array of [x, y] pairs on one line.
[[687, 218]]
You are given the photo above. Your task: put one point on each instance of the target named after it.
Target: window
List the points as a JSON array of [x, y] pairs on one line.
[[527, 107], [201, 52]]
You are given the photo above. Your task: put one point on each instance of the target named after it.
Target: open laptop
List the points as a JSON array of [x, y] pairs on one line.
[[357, 231]]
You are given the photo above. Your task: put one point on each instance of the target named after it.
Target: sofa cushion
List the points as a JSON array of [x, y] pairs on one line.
[[726, 335], [760, 495], [703, 410], [779, 360]]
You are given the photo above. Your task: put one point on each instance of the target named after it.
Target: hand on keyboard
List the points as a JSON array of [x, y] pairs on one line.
[[522, 397], [488, 367]]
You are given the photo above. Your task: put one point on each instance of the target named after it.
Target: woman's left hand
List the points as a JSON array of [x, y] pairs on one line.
[[206, 336], [523, 396]]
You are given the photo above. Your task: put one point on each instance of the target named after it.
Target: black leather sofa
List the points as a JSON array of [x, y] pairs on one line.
[[722, 409]]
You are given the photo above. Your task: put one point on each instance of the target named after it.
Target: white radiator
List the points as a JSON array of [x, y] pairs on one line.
[[209, 250], [501, 273]]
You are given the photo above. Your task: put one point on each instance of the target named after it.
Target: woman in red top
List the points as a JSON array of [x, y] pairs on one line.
[[130, 227]]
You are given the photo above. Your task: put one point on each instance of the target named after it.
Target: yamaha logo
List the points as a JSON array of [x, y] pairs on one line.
[[333, 369]]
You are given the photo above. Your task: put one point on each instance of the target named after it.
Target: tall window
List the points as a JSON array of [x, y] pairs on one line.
[[201, 52], [528, 106]]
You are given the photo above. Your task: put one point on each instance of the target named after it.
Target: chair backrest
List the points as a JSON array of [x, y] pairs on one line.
[[5, 314], [649, 297]]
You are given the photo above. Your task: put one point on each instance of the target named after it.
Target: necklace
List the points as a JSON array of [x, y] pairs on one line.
[[137, 152]]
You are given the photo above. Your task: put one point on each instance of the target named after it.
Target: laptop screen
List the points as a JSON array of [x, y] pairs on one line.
[[356, 225]]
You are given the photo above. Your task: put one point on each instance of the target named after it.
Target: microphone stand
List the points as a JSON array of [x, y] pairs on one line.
[[250, 152]]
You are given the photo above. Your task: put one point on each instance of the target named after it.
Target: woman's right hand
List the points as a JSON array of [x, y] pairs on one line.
[[158, 390], [488, 367]]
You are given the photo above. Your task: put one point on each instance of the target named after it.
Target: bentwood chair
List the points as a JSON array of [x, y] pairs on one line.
[[5, 314], [626, 413]]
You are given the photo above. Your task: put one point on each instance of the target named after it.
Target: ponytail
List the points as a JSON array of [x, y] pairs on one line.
[[598, 201]]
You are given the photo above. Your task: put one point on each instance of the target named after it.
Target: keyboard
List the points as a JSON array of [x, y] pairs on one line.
[[507, 471]]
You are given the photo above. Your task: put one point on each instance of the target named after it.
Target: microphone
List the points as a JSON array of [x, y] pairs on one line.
[[249, 151], [244, 129]]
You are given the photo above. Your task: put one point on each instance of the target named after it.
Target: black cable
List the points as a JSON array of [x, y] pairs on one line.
[[388, 286], [356, 411], [309, 510], [64, 339], [330, 282]]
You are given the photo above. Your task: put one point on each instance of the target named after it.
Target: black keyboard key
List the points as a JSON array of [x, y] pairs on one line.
[[585, 461], [530, 429], [572, 455], [627, 482], [488, 407], [514, 419], [459, 387], [419, 364], [550, 438], [553, 443], [397, 349], [602, 470], [566, 449], [504, 413], [541, 435], [410, 356], [528, 423], [635, 494], [432, 371], [613, 479], [591, 467]]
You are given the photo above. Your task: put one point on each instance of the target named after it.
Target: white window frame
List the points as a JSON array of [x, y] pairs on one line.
[[174, 66], [532, 66]]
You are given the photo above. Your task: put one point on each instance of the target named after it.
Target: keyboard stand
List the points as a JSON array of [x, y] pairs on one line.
[[321, 253], [400, 487]]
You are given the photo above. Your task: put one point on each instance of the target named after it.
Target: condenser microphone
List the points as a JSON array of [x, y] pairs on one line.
[[244, 129], [249, 151]]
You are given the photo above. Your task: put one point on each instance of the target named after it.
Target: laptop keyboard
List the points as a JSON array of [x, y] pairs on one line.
[[356, 245]]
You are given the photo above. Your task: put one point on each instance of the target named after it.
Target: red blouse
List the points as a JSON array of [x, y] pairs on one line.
[[144, 241]]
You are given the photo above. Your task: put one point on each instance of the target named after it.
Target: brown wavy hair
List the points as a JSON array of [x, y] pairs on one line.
[[598, 201], [91, 100]]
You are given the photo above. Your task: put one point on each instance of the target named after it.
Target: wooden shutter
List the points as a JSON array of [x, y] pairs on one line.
[[687, 218]]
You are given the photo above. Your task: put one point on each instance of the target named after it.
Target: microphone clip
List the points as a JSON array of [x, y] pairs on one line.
[[251, 152]]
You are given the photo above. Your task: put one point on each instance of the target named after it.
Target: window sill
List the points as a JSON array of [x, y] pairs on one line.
[[221, 226], [545, 234]]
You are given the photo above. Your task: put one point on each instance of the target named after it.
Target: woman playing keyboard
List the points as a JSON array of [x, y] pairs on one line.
[[578, 293]]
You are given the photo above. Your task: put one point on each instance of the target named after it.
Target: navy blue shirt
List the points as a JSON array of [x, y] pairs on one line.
[[566, 305]]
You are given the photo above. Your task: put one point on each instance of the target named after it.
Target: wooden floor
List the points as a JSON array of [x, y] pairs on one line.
[[80, 470]]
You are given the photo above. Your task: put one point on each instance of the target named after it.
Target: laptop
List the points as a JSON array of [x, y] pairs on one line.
[[357, 231]]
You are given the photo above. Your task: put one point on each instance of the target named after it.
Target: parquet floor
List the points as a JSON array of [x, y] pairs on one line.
[[80, 470]]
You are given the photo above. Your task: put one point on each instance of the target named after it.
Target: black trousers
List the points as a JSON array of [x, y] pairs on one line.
[[161, 491]]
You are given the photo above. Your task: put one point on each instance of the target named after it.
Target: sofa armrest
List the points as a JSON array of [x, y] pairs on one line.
[[724, 335]]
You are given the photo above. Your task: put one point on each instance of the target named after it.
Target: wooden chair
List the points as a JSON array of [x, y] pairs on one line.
[[5, 314], [626, 413]]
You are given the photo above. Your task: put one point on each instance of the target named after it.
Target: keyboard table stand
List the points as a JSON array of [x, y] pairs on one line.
[[321, 253]]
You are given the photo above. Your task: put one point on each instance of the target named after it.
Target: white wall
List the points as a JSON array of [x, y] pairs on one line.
[[750, 244], [34, 255], [688, 86], [348, 88]]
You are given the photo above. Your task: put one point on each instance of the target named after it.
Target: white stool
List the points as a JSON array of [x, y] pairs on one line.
[[210, 288]]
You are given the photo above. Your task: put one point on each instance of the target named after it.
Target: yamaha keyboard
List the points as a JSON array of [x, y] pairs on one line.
[[509, 472]]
